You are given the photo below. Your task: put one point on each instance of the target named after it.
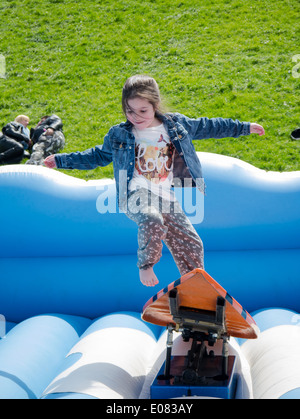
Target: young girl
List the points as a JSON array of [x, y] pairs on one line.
[[148, 152]]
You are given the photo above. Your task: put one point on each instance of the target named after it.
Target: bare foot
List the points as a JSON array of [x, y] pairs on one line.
[[148, 277]]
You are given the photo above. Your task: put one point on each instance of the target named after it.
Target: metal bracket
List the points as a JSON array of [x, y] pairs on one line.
[[201, 326]]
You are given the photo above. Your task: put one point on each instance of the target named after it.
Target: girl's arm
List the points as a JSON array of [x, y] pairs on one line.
[[205, 128], [85, 160]]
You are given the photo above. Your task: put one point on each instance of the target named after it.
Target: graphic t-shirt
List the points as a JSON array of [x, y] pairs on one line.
[[154, 160]]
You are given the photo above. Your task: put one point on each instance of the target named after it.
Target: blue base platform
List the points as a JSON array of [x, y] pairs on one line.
[[209, 386]]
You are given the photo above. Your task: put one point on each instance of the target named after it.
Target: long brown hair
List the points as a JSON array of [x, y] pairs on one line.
[[143, 87]]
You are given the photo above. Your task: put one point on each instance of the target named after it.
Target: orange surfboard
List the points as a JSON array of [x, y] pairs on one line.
[[198, 290]]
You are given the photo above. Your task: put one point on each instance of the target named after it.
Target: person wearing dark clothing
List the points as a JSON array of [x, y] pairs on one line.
[[47, 138], [295, 135], [14, 141]]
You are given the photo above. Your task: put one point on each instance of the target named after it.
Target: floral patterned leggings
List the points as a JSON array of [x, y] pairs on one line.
[[160, 220]]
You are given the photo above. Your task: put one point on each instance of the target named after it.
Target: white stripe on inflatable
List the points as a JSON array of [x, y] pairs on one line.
[[274, 360], [113, 365]]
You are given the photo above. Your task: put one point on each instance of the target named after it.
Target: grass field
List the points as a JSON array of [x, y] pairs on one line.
[[228, 58]]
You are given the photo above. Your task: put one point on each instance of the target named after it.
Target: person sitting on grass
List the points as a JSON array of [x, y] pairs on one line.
[[47, 138], [15, 141]]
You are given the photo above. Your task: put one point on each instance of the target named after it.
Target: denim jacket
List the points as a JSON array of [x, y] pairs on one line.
[[119, 148]]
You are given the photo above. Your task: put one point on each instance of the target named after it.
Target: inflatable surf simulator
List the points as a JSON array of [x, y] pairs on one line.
[[76, 323]]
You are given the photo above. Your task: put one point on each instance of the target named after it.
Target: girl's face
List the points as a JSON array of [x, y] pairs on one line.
[[141, 113]]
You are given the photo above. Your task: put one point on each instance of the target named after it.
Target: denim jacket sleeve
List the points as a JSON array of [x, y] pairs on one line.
[[88, 159], [204, 128]]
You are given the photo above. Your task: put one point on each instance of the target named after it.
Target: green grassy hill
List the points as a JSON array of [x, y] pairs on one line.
[[228, 58]]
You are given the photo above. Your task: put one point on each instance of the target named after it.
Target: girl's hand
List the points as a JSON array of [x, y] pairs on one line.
[[257, 129], [50, 162]]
